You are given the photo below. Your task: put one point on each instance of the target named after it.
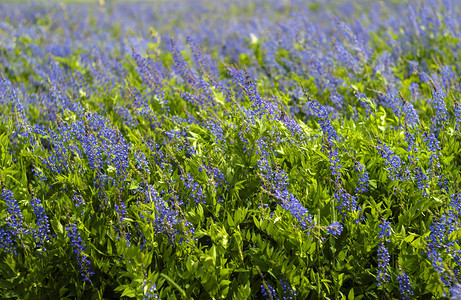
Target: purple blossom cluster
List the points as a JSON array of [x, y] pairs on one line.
[[394, 165], [405, 287], [268, 292], [41, 233], [334, 228], [168, 219], [324, 120], [440, 245], [383, 272], [364, 180], [79, 249], [275, 180], [345, 202], [15, 228]]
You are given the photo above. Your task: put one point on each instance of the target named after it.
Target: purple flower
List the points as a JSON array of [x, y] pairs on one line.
[[15, 227], [276, 181], [363, 178], [405, 288], [457, 109], [335, 164], [335, 228], [288, 291], [441, 112], [78, 199], [167, 218], [79, 250], [197, 194], [324, 120], [345, 202], [434, 147], [269, 292], [383, 274], [42, 232], [295, 208], [440, 245], [385, 231], [393, 162], [141, 162], [150, 293], [411, 117], [456, 291]]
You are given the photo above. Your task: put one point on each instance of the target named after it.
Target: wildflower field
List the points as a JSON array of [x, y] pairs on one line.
[[230, 150]]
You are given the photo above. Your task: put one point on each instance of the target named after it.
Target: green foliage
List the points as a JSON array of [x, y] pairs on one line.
[[232, 193]]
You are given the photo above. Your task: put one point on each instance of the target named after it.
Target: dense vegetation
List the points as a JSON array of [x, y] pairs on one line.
[[242, 149]]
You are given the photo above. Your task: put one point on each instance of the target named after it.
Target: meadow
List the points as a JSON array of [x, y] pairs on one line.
[[230, 150]]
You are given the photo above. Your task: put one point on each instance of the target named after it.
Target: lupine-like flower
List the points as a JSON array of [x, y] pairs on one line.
[[39, 174], [357, 39], [79, 250], [78, 199], [292, 125], [334, 228], [15, 227], [126, 115], [289, 202], [411, 116], [433, 145], [441, 112], [455, 291], [346, 58], [42, 232], [448, 77], [457, 109], [411, 140], [141, 162], [198, 55], [383, 274], [345, 202], [335, 164], [392, 100], [393, 162], [122, 213], [288, 292], [276, 181], [216, 177], [14, 214], [269, 292], [324, 120], [250, 89], [141, 106], [363, 178], [197, 193], [424, 77], [414, 90], [385, 230], [150, 293], [7, 241], [8, 95], [363, 100], [439, 244], [167, 218], [405, 288], [152, 73], [217, 131], [422, 181]]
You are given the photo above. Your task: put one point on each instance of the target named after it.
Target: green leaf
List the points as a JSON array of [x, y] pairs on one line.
[[174, 284], [350, 295], [129, 292]]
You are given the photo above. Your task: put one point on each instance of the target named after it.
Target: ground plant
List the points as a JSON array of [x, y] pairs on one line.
[[230, 150]]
